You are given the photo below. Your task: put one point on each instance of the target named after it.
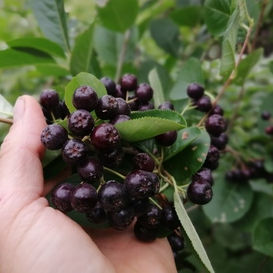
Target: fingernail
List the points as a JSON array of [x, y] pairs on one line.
[[19, 109]]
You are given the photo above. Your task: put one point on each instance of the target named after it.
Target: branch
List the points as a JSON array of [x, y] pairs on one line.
[[6, 120]]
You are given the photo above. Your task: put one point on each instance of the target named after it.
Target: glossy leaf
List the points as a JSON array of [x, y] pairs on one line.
[[156, 85]]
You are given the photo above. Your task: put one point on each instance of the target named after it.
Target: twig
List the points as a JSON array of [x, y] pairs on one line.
[[6, 120], [114, 172], [192, 208]]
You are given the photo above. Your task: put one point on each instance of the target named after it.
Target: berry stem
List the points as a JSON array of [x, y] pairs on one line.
[[154, 202], [187, 108], [164, 187], [6, 120], [114, 172], [192, 208]]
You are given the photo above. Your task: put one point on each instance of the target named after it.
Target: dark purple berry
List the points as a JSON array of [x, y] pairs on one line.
[[269, 130], [144, 92], [80, 123], [220, 142], [128, 82], [112, 196], [107, 107], [169, 218], [215, 125], [97, 214], [54, 136], [145, 107], [119, 92], [199, 192], [121, 219], [60, 197], [85, 98], [144, 162], [212, 159], [234, 175], [167, 105], [141, 206], [123, 107], [119, 119], [63, 110], [74, 151], [217, 110], [204, 174], [105, 136], [47, 115], [49, 99], [166, 139], [152, 218], [195, 91], [203, 104], [109, 85], [143, 234], [141, 184], [266, 115], [111, 158], [133, 103], [90, 170], [84, 197], [176, 242]]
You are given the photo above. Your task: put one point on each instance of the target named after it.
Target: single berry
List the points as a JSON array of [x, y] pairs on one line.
[[60, 197], [90, 170], [144, 162], [215, 125], [74, 151], [167, 105], [85, 98], [257, 168], [112, 196], [144, 234], [80, 123], [110, 86], [166, 139], [212, 159], [111, 158], [144, 92], [63, 110], [204, 104], [84, 197], [123, 107], [49, 99], [97, 214], [266, 115], [54, 136], [169, 218], [121, 219], [176, 242], [199, 192], [217, 110], [145, 107], [269, 130], [128, 82], [119, 119], [107, 107], [119, 92], [220, 142], [195, 91], [141, 206], [204, 174], [152, 218], [141, 184], [105, 136], [133, 103]]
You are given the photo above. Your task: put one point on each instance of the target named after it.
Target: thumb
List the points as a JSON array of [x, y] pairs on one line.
[[20, 165]]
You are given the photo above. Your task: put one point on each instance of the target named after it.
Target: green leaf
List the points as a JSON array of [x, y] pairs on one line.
[[81, 79], [166, 35], [261, 185], [52, 70], [184, 138], [118, 15], [231, 201], [247, 64], [191, 233], [11, 58], [82, 52], [146, 127], [190, 72], [41, 44], [51, 17], [157, 87], [263, 237], [6, 110]]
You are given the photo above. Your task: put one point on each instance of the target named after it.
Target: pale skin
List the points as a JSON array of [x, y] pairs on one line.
[[37, 238]]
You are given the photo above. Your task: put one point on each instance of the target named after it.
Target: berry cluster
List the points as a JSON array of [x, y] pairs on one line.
[[267, 117], [200, 189]]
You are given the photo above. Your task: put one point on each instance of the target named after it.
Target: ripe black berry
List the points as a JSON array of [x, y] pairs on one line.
[[217, 110], [74, 151], [269, 130], [60, 197], [212, 159], [54, 136], [199, 192], [145, 107], [63, 110], [123, 107], [167, 138], [97, 214], [144, 92], [80, 123], [119, 119], [111, 158], [49, 99], [109, 85], [266, 115], [215, 125], [195, 91], [204, 104], [107, 107], [167, 105], [90, 170], [176, 242], [169, 218], [85, 98], [105, 136], [128, 82], [152, 218], [220, 142], [112, 196], [204, 174], [119, 92], [121, 219], [84, 197], [141, 184], [133, 103], [144, 234], [144, 162]]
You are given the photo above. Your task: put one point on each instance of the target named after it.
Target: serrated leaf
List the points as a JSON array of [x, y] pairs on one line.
[[145, 128], [81, 79], [191, 233], [157, 87]]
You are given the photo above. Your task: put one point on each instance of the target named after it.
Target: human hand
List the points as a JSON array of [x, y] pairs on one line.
[[37, 238]]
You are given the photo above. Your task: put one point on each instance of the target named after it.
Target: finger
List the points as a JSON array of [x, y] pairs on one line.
[[20, 165]]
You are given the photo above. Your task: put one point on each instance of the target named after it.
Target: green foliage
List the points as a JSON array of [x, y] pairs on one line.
[[157, 87]]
